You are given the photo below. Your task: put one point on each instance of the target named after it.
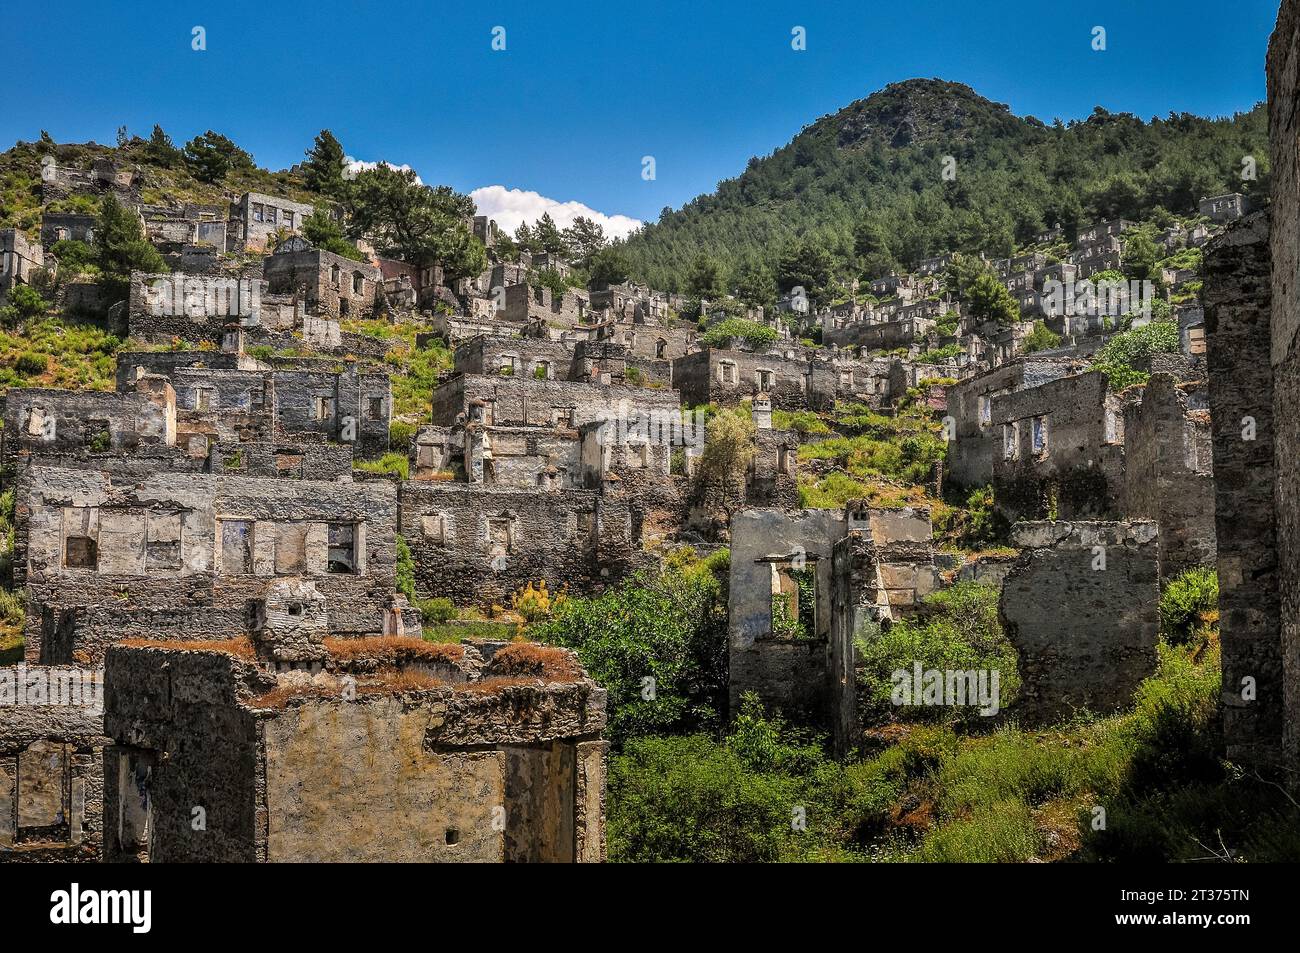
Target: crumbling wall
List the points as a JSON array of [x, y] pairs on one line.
[[1283, 70], [1062, 450], [523, 401], [1081, 609], [1168, 474], [790, 674], [725, 377], [182, 555], [976, 442], [1236, 293], [478, 544], [51, 777], [504, 770]]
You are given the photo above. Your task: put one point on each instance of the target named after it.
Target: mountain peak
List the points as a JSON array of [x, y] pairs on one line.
[[917, 111]]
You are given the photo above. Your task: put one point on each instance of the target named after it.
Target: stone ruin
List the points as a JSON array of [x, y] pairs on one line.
[[1080, 607], [389, 749], [804, 585]]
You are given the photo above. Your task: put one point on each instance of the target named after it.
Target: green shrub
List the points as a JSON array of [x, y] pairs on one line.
[[751, 332], [1041, 339], [1187, 603], [960, 630], [437, 610], [1120, 355], [30, 364], [405, 573], [657, 643], [399, 435], [396, 464]]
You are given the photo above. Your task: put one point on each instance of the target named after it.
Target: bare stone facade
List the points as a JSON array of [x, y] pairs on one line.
[[1283, 82], [182, 555], [329, 285], [1237, 297], [976, 443], [392, 750], [256, 219], [51, 764], [803, 586], [1081, 609], [20, 260], [1062, 450], [793, 380], [1169, 472]]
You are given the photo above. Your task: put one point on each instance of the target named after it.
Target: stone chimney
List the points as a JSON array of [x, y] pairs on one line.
[[762, 411]]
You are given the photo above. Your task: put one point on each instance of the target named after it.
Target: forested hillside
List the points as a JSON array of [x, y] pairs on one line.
[[867, 184]]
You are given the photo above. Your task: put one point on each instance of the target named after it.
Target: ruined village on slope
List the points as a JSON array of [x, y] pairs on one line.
[[199, 552]]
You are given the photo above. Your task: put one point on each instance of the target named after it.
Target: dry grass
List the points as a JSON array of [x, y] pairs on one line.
[[279, 696], [394, 647], [532, 660], [240, 646]]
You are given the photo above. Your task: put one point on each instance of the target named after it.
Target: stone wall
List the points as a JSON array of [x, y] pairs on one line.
[[791, 674], [725, 377], [1168, 474], [51, 769], [1283, 70], [1236, 293], [524, 401], [479, 544], [482, 766], [181, 555], [1081, 609], [1062, 450], [977, 442], [328, 284]]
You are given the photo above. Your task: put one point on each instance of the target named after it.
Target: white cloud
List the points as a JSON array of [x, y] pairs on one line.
[[511, 207], [352, 166]]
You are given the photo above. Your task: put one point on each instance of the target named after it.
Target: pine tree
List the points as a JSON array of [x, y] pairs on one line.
[[325, 163]]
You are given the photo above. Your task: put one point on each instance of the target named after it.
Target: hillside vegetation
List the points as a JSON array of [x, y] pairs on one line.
[[866, 184]]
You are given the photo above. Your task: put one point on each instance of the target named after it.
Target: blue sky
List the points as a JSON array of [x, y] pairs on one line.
[[584, 90]]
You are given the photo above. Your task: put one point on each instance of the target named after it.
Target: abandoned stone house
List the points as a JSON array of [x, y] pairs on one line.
[[20, 260], [383, 751], [974, 442], [794, 379], [183, 554], [1031, 261], [329, 285], [1105, 254], [51, 763], [1062, 450], [886, 334], [525, 304], [104, 175], [235, 313], [176, 399], [478, 543], [510, 400], [256, 219], [172, 229], [1222, 209], [803, 586], [67, 226], [1092, 234]]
